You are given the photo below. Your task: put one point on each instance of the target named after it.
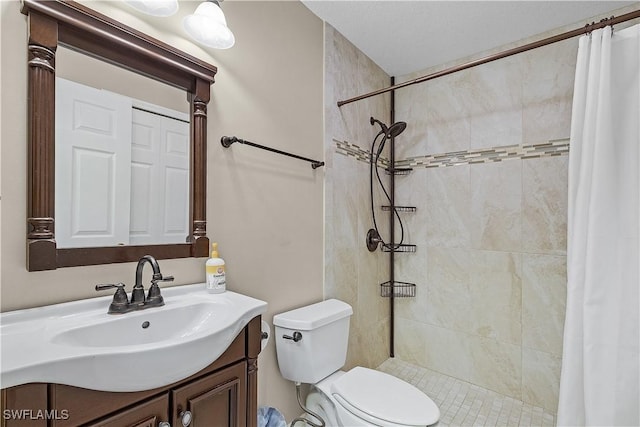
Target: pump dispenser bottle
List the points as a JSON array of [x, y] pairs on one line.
[[215, 272]]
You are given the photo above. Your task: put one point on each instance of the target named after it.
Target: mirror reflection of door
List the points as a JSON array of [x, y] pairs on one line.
[[122, 170], [159, 176]]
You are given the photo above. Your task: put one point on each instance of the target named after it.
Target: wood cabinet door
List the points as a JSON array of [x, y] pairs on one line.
[[148, 414], [217, 400]]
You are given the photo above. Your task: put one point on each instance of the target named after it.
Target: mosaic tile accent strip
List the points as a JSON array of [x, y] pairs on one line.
[[557, 147], [465, 404], [353, 150]]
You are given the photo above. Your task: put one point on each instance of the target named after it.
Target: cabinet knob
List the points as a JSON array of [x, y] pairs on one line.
[[164, 424], [185, 418]]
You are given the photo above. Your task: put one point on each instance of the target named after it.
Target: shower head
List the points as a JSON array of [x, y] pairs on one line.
[[396, 129], [388, 132]]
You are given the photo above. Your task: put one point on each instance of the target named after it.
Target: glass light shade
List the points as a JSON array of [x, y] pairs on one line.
[[154, 7], [208, 26]]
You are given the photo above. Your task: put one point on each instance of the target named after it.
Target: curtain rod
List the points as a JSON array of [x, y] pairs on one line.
[[534, 45]]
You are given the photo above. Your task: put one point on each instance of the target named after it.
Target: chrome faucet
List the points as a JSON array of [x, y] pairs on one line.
[[121, 303]]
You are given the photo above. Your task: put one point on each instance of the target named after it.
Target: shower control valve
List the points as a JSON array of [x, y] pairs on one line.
[[297, 336], [373, 239]]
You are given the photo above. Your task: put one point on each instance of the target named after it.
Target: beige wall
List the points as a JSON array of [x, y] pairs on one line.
[[266, 211]]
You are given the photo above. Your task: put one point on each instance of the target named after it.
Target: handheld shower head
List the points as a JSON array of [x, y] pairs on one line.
[[388, 132], [396, 129]]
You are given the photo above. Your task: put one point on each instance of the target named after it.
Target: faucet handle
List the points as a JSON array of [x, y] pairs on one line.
[[120, 303], [158, 279], [104, 287], [154, 297], [162, 279]]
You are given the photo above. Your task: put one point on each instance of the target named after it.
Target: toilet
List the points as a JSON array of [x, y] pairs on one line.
[[311, 345]]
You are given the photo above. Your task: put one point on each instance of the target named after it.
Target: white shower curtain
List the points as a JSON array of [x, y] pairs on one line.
[[600, 365]]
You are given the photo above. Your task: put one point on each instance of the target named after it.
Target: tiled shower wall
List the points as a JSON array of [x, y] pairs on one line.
[[490, 224], [490, 265], [352, 273], [489, 150]]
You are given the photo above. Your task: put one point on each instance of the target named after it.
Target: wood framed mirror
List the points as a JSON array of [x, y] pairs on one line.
[[63, 22]]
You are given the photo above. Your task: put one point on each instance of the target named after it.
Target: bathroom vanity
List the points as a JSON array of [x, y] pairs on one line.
[[189, 362], [222, 394]]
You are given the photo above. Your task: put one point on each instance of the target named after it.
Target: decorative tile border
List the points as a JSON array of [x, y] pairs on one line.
[[352, 150], [556, 147]]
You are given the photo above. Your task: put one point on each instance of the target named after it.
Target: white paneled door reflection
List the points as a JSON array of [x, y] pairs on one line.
[[122, 170], [93, 153], [159, 178]]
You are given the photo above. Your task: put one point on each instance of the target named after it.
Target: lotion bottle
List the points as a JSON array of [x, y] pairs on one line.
[[215, 272]]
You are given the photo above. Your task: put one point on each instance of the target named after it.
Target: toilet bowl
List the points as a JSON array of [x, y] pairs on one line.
[[311, 345], [365, 397]]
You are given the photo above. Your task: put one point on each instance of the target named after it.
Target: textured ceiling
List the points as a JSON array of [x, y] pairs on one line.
[[407, 36]]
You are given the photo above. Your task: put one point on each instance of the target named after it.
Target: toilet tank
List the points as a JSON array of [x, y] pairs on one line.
[[322, 347]]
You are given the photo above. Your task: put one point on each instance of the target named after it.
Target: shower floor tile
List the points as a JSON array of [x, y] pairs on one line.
[[465, 404]]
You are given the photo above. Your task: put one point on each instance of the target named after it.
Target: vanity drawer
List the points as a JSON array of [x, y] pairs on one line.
[[148, 414]]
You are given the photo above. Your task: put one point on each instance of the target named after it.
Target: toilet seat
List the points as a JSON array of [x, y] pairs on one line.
[[352, 416], [383, 399]]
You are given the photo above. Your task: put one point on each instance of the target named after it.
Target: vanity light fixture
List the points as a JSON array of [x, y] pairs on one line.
[[154, 7], [208, 26]]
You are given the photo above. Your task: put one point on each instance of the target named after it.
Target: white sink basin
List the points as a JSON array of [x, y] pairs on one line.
[[79, 344], [151, 326]]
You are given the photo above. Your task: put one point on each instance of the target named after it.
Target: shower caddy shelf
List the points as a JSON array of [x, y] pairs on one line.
[[394, 288], [397, 289], [398, 247], [399, 208], [398, 171]]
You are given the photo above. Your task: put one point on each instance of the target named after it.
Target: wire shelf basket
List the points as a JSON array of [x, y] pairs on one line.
[[397, 289], [400, 208], [398, 248]]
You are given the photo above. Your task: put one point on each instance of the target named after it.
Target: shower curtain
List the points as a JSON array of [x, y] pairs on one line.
[[600, 364]]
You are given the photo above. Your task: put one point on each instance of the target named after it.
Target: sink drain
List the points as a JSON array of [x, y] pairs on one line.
[[145, 325]]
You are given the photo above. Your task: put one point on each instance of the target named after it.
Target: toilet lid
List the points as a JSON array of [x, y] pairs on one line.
[[379, 398]]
